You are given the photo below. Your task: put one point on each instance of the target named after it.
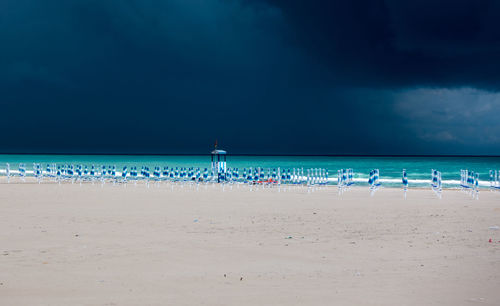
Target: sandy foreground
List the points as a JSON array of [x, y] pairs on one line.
[[170, 245]]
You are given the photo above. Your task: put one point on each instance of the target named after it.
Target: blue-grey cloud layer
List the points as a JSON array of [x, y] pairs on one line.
[[330, 77]]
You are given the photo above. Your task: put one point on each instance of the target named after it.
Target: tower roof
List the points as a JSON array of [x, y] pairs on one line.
[[219, 152]]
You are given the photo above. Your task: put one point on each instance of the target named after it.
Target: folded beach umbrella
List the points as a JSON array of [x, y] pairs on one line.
[[124, 173], [405, 179]]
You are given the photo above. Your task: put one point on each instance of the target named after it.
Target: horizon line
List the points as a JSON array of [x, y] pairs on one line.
[[240, 154]]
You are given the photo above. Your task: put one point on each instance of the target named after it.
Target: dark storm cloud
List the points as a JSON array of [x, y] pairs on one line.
[[151, 75], [324, 77], [401, 43]]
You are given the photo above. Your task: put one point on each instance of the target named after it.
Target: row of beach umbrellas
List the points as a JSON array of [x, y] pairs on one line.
[[469, 180]]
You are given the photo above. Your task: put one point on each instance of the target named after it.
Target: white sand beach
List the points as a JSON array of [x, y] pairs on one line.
[[171, 245]]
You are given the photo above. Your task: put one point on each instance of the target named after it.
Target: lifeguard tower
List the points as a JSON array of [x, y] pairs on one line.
[[219, 163]]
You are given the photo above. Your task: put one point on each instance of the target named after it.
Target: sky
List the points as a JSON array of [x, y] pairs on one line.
[[262, 77]]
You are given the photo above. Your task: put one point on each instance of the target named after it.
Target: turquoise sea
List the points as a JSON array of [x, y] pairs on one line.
[[418, 168]]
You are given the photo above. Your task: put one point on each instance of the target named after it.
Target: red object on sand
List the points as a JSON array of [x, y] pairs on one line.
[[269, 181], [490, 240]]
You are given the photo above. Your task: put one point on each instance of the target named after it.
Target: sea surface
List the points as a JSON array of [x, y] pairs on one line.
[[418, 168]]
